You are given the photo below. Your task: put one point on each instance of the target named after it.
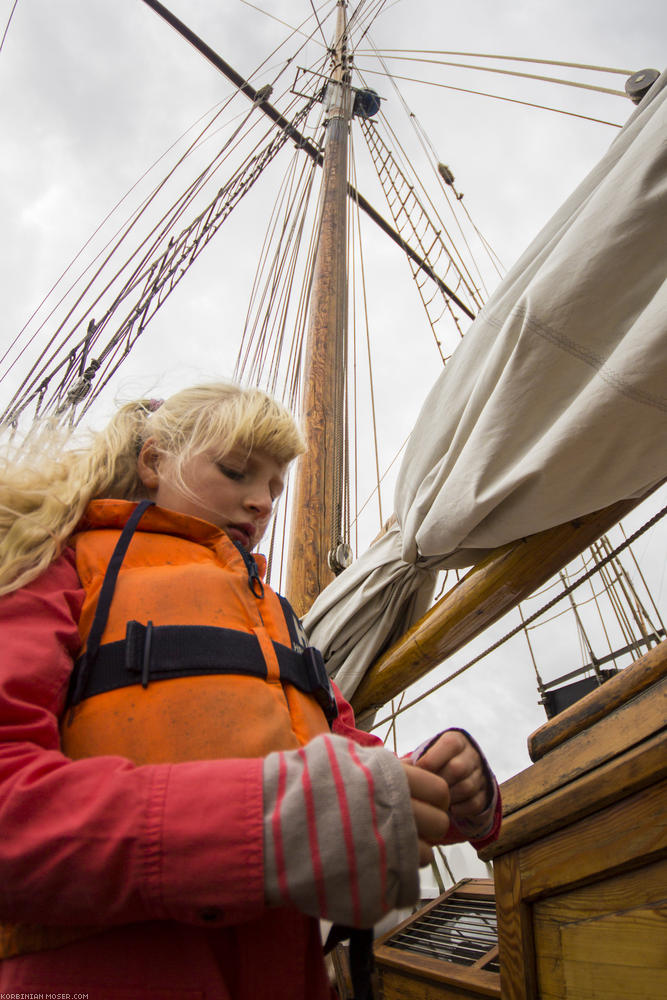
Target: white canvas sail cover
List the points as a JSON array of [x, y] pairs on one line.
[[553, 406]]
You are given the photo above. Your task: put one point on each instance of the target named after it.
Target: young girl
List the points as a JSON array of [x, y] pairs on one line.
[[182, 791]]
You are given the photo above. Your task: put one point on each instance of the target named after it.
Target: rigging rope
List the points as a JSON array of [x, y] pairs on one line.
[[371, 17], [120, 237], [309, 37], [9, 21], [368, 499], [319, 24], [526, 632], [498, 97], [157, 278], [93, 332], [376, 451], [261, 322], [509, 635], [129, 227], [510, 72], [445, 188], [595, 598], [109, 242], [487, 55], [581, 603], [641, 577]]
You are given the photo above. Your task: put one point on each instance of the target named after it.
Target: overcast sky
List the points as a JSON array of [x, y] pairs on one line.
[[92, 92]]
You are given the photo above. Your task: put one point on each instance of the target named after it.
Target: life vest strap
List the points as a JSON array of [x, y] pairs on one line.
[[157, 653], [104, 601]]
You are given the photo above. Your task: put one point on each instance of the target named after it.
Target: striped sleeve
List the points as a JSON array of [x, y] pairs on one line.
[[340, 841]]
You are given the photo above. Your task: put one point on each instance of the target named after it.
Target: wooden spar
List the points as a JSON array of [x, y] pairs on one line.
[[317, 496], [496, 585]]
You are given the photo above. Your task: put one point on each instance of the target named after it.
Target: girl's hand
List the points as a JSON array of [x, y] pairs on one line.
[[456, 760], [429, 798]]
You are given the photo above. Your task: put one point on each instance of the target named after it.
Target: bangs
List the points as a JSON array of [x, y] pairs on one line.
[[228, 417]]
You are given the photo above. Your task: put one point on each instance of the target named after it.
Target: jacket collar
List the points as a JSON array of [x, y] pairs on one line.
[[114, 514]]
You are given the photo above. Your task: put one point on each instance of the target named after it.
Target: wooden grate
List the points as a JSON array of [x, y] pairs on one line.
[[448, 948], [454, 930]]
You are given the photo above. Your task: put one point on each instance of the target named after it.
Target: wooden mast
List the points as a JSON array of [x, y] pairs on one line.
[[318, 490]]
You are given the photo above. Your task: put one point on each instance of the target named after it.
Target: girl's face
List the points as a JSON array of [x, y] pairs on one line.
[[235, 493]]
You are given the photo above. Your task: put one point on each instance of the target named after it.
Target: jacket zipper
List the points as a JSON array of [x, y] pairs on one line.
[[254, 579]]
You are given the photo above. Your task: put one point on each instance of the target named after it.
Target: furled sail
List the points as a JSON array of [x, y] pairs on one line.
[[553, 406]]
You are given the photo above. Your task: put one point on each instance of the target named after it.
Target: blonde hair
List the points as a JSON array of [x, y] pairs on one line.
[[43, 498]]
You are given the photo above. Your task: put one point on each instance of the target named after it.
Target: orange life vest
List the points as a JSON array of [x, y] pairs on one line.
[[194, 658]]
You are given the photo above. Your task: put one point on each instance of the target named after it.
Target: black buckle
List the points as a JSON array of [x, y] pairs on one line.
[[323, 692], [138, 641]]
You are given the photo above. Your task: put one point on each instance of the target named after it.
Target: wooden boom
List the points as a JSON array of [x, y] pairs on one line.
[[496, 585]]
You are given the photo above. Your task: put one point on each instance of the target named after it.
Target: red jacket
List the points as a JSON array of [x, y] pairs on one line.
[[153, 854]]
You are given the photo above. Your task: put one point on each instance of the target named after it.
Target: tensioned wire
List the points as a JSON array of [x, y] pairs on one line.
[[382, 477], [362, 19], [343, 527], [593, 599], [319, 23], [310, 37], [197, 142], [259, 350], [585, 645], [301, 327], [9, 21], [622, 584], [641, 576], [274, 275], [265, 60], [357, 219], [604, 543], [397, 178], [291, 384], [260, 356], [622, 618], [129, 224], [376, 450], [413, 223], [494, 259]]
